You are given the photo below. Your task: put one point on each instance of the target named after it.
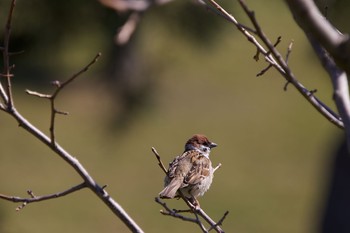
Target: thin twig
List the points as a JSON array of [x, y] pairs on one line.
[[219, 223], [287, 73], [7, 67], [332, 49], [60, 87], [80, 169], [199, 222], [175, 213], [279, 39], [37, 94], [263, 71], [172, 212], [34, 198], [7, 96], [289, 51], [73, 77], [256, 56], [160, 163], [217, 167], [285, 88]]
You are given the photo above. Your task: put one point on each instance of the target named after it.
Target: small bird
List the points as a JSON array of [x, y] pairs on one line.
[[190, 172]]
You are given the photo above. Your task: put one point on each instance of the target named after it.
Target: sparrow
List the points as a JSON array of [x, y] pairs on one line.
[[192, 171]]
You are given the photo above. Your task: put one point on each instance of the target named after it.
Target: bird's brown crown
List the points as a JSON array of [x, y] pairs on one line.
[[197, 140]]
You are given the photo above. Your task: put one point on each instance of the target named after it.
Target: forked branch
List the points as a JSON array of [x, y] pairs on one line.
[[52, 97], [273, 57], [7, 105], [332, 49]]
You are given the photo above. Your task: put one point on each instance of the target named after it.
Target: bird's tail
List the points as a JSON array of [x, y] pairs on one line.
[[170, 190]]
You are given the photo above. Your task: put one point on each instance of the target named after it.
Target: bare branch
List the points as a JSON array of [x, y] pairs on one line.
[[285, 88], [279, 39], [197, 212], [79, 168], [289, 76], [59, 87], [332, 48], [340, 84], [263, 71], [219, 223], [50, 142], [61, 112], [173, 212], [37, 94], [256, 56], [34, 198], [73, 77], [160, 163], [289, 51], [273, 57], [200, 224], [310, 19], [7, 96], [214, 225], [217, 167], [7, 67]]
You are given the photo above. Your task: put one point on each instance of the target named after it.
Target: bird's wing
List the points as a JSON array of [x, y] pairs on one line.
[[181, 165], [200, 169]]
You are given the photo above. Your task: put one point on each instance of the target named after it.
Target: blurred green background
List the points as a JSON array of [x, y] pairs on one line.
[[185, 71]]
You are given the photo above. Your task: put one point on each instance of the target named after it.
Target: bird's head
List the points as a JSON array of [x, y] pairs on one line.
[[200, 143]]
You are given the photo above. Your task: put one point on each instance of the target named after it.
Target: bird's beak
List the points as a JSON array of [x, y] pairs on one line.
[[212, 145]]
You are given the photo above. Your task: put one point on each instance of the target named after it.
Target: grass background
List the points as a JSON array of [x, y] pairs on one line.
[[275, 149]]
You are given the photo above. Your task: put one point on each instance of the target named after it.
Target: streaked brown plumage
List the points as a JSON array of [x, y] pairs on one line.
[[191, 172]]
